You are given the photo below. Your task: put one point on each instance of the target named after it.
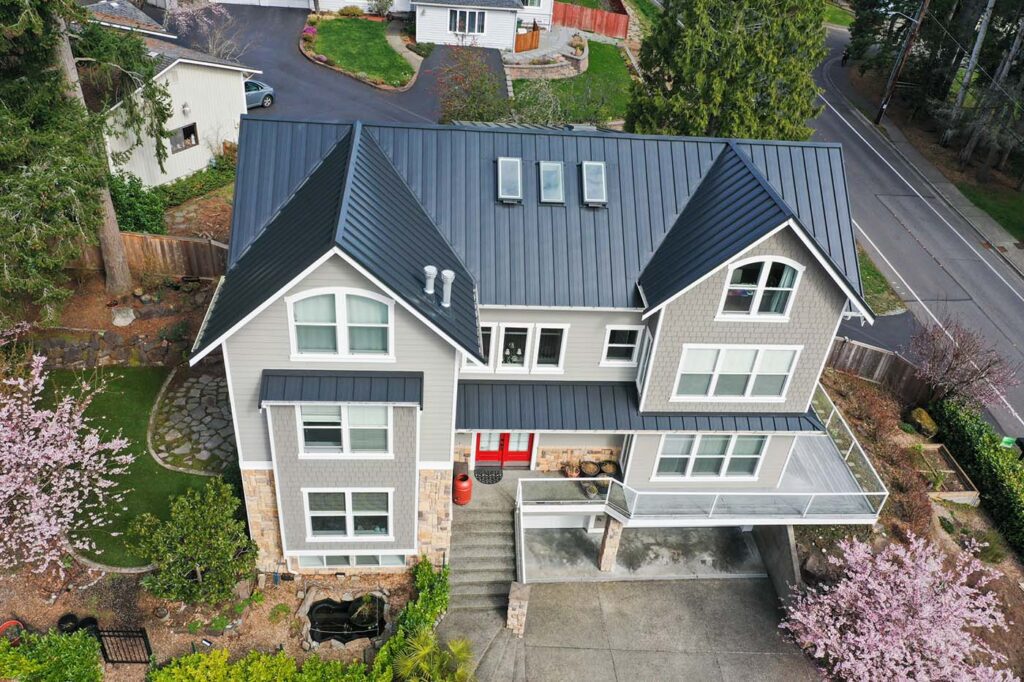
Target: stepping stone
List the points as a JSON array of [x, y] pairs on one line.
[[217, 424], [172, 435], [123, 315], [203, 455], [213, 442], [183, 449]]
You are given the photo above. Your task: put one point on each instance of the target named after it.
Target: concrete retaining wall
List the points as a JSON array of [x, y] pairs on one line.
[[778, 551]]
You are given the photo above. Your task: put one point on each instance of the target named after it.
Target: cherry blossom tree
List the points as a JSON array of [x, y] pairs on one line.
[[957, 362], [58, 475], [907, 612]]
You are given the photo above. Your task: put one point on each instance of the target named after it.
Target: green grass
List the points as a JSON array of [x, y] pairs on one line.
[[647, 11], [601, 93], [360, 47], [1005, 205], [592, 4], [877, 291], [835, 14], [124, 405]]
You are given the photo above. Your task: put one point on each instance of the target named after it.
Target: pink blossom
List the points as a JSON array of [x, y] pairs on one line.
[[57, 473], [309, 31], [904, 613]]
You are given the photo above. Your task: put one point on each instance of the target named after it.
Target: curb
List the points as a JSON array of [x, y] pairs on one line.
[[127, 570], [379, 86]]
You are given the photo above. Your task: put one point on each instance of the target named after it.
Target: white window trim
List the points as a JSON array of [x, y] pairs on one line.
[[346, 440], [710, 397], [349, 556], [527, 352], [535, 368], [754, 315], [341, 325], [471, 364], [593, 201], [510, 198], [608, 329], [557, 165], [643, 360], [466, 33], [349, 516], [688, 476]]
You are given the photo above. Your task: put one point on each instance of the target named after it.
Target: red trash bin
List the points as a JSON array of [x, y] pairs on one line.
[[462, 490]]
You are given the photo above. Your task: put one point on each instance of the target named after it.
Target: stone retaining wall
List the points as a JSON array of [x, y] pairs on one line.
[[567, 67], [75, 349]]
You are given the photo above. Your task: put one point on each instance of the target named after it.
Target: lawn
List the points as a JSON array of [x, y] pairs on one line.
[[599, 94], [834, 14], [877, 291], [124, 405], [1005, 205], [359, 46], [647, 11], [592, 4]]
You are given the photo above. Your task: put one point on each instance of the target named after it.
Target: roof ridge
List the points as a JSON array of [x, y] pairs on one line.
[[346, 180]]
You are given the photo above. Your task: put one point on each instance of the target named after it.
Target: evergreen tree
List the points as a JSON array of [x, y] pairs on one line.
[[730, 69]]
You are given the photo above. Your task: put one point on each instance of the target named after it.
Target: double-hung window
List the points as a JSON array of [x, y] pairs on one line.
[[761, 289], [709, 456], [466, 21], [731, 373], [342, 325], [621, 345], [357, 431], [348, 514]]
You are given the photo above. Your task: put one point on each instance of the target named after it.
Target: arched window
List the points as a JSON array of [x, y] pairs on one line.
[[342, 324], [761, 288]]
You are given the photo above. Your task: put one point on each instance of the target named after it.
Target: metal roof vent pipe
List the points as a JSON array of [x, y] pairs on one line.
[[447, 277], [429, 275]]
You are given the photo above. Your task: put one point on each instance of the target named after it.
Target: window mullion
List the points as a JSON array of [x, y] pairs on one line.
[[341, 323], [753, 373], [719, 359], [728, 456], [694, 449]]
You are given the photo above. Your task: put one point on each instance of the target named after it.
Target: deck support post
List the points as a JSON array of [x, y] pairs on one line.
[[609, 544]]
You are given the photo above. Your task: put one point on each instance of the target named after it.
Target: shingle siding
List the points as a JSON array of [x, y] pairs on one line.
[[690, 318]]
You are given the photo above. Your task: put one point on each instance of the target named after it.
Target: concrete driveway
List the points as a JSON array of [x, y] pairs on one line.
[[307, 91]]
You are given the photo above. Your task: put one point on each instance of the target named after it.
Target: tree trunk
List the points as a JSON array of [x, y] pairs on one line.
[[968, 73], [115, 261]]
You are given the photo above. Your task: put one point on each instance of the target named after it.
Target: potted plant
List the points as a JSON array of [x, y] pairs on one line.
[[590, 490], [610, 467], [589, 469], [571, 470], [602, 483]]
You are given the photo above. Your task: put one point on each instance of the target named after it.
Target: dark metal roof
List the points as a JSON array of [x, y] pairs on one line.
[[730, 210], [496, 4], [355, 200], [587, 406], [123, 13], [547, 255], [310, 386]]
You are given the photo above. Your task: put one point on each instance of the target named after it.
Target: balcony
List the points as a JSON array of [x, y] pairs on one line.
[[828, 480]]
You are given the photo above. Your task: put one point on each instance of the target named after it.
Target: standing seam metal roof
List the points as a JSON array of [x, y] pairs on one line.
[[533, 254], [341, 386]]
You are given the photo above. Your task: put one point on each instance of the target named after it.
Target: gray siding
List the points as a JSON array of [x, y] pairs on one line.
[[585, 343], [691, 319], [579, 440], [263, 344], [645, 453], [295, 474]]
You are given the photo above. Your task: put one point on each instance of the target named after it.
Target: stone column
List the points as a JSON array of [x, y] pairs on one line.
[[435, 515], [518, 601], [609, 544], [264, 525]]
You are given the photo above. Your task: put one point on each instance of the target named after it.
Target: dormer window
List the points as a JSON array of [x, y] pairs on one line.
[[510, 179], [341, 324], [761, 288], [595, 187], [551, 189]]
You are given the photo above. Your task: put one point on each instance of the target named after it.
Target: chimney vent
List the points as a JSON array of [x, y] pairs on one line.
[[429, 274], [447, 277]]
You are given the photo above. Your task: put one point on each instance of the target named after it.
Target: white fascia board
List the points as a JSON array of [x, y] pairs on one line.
[[133, 29], [212, 65], [446, 5]]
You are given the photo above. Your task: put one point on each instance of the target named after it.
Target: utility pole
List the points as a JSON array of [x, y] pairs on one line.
[[901, 60], [972, 64]]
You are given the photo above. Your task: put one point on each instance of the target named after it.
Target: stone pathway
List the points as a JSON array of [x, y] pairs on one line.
[[192, 428]]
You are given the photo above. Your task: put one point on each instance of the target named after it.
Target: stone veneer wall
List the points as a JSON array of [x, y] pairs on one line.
[[552, 459], [434, 532], [261, 509], [567, 66]]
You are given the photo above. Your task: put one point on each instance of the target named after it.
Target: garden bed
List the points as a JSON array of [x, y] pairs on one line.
[[357, 47], [946, 480]]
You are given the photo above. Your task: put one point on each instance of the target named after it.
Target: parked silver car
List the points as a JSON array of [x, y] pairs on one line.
[[258, 94]]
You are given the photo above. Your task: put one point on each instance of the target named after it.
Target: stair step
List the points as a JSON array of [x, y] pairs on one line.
[[506, 669], [483, 553], [483, 514], [478, 603], [480, 589], [490, 667], [485, 526], [484, 540], [490, 561], [519, 673], [505, 574]]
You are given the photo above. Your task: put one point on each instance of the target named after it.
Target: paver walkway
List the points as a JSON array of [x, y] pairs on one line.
[[192, 427]]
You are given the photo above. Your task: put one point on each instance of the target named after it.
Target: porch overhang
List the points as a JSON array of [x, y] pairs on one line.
[[325, 386]]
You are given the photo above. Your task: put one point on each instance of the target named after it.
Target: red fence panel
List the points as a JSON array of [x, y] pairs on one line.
[[612, 24]]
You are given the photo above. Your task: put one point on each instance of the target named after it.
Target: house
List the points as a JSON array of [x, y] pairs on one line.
[[401, 300], [207, 98]]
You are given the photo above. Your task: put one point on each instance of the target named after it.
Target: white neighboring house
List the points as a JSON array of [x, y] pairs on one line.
[[207, 99]]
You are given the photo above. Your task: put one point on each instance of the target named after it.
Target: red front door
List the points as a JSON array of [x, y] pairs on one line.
[[496, 449]]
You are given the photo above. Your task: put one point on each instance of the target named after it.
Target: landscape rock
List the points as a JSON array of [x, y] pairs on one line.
[[122, 315]]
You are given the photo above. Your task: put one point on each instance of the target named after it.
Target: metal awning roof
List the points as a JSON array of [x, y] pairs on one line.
[[323, 386], [593, 406]]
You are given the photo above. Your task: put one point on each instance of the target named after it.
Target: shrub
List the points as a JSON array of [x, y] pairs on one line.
[[201, 552], [138, 209], [52, 657], [350, 11], [418, 615], [996, 470], [422, 49], [219, 173], [947, 525], [908, 501], [906, 427], [313, 19], [257, 667], [923, 422], [380, 7]]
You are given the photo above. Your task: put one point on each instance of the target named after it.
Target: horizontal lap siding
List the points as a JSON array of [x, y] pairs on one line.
[[432, 27]]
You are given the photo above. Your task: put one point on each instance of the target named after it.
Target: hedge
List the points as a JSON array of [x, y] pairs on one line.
[[138, 209], [996, 470], [52, 657]]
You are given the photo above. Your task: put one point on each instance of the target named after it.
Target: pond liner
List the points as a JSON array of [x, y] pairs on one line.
[[331, 619]]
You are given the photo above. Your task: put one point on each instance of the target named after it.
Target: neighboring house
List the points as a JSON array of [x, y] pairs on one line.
[[207, 97], [402, 298]]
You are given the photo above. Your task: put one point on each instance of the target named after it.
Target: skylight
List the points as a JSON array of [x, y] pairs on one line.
[[595, 189], [510, 179], [551, 189]]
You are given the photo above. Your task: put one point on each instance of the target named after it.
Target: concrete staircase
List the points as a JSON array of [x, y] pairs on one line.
[[483, 559], [504, 659]]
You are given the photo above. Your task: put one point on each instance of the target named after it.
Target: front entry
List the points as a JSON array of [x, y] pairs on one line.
[[495, 449]]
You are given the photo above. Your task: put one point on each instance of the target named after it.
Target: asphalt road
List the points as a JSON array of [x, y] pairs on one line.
[[931, 254]]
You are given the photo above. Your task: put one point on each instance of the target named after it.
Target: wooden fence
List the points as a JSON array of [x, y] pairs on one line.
[[880, 366], [529, 40], [612, 24], [164, 255]]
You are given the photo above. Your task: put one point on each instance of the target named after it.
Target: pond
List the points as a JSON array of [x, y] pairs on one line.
[[345, 621]]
